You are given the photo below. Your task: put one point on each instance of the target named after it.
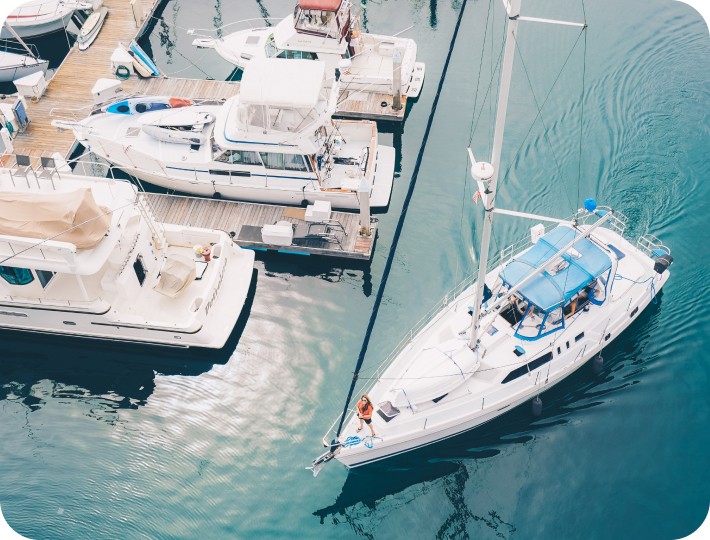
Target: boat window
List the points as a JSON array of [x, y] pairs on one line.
[[272, 160], [16, 276], [44, 276], [239, 157], [294, 162], [634, 312], [298, 55], [579, 336], [522, 370], [140, 269]]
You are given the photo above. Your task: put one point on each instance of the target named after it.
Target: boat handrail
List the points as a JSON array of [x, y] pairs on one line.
[[21, 11], [12, 47], [211, 31], [651, 245]]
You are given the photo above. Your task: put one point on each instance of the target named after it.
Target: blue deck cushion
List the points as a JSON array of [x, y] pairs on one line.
[[551, 289]]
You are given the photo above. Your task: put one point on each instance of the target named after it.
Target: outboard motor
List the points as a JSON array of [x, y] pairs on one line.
[[662, 263]]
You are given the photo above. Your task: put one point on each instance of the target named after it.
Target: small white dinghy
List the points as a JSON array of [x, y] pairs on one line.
[[182, 126], [91, 28]]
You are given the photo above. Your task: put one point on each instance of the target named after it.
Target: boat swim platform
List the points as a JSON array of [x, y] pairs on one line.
[[69, 90], [246, 219]]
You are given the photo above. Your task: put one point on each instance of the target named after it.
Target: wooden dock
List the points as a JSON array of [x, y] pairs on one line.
[[246, 219], [69, 91]]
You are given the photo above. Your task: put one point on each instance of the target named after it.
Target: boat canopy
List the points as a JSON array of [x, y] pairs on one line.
[[295, 84], [323, 5], [69, 216], [552, 288]]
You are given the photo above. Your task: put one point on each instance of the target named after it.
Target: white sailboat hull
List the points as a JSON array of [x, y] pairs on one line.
[[469, 407]]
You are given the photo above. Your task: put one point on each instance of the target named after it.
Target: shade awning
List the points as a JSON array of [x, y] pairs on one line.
[[294, 84], [577, 268], [323, 5], [68, 216]]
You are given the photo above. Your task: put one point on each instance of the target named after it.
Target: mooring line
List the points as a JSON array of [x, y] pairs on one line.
[[400, 223]]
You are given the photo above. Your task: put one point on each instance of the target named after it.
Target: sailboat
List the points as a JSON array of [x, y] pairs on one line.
[[545, 308]]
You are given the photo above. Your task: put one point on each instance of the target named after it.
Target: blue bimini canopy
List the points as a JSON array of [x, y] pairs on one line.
[[553, 288]]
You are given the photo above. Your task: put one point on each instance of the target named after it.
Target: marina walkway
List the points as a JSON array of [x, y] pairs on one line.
[[69, 91], [246, 219]]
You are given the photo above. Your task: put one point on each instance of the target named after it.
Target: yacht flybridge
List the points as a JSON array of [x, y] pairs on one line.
[[328, 31], [545, 307], [273, 142], [83, 256]]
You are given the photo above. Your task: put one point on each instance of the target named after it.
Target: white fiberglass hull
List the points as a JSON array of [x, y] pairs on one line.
[[15, 66], [106, 324], [28, 27], [468, 407]]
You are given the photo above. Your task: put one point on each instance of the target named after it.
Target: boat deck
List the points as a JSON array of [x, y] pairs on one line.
[[246, 219]]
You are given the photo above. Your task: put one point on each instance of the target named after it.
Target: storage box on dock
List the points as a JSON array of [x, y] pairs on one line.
[[32, 85], [278, 234], [106, 89]]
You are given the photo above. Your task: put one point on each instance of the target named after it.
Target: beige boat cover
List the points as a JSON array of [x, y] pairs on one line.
[[47, 215], [177, 272]]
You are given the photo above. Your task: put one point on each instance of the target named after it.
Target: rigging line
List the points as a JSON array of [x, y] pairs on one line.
[[581, 120], [480, 70], [540, 107], [400, 222]]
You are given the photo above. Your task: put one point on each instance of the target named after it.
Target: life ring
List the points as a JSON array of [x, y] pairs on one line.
[[122, 72]]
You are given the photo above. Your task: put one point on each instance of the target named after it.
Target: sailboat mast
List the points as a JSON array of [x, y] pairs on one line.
[[513, 9]]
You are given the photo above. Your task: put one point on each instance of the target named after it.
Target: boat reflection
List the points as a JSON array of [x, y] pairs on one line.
[[38, 368]]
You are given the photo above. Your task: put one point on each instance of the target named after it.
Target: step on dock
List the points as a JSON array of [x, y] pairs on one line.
[[337, 238]]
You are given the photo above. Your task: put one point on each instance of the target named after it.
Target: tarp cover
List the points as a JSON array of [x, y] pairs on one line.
[[325, 5], [551, 289], [47, 215], [295, 84], [177, 273]]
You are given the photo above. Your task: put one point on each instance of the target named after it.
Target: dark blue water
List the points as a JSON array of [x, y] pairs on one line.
[[113, 442]]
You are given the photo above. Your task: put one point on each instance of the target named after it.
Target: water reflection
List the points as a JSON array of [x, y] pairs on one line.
[[287, 266], [36, 368]]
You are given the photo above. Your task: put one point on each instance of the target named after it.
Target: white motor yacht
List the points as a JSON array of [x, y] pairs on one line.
[[533, 317], [273, 142], [83, 256], [40, 17], [328, 31]]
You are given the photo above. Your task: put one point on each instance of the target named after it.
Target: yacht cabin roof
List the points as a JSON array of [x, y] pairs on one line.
[[552, 288], [324, 5], [286, 84]]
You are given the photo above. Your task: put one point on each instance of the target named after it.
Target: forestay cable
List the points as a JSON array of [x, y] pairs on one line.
[[400, 223]]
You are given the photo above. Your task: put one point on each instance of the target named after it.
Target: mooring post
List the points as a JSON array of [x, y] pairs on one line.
[[363, 193], [396, 79]]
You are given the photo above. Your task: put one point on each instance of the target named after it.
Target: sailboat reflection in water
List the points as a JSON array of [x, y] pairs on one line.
[[554, 302]]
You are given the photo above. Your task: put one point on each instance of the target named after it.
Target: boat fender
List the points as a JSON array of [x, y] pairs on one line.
[[662, 263], [122, 72], [598, 364], [537, 406], [217, 195]]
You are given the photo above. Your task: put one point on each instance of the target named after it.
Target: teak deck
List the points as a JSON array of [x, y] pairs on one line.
[[246, 219]]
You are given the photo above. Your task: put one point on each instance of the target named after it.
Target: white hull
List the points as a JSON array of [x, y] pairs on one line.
[[468, 406], [38, 27], [107, 325], [10, 73], [235, 189]]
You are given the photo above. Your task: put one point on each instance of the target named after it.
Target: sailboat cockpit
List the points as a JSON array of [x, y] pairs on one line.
[[582, 276]]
